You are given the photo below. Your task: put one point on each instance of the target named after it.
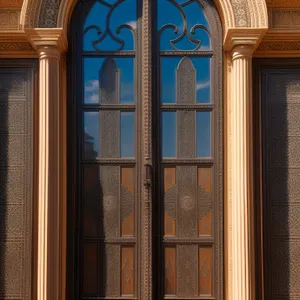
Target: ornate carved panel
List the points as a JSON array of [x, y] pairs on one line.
[[186, 134], [281, 162], [186, 82], [16, 171], [284, 18], [48, 13], [10, 19]]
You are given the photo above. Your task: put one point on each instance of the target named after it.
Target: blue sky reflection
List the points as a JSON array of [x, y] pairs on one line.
[[98, 17], [168, 13]]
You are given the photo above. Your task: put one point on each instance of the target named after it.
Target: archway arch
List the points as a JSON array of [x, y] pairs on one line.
[[235, 14], [244, 24]]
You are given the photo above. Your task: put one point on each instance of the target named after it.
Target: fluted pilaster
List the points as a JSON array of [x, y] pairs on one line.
[[243, 251], [49, 179], [49, 44]]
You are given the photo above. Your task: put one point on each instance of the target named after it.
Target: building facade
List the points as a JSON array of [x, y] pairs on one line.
[[149, 149]]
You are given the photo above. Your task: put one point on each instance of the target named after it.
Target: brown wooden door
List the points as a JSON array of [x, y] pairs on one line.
[[111, 129], [187, 118], [279, 112]]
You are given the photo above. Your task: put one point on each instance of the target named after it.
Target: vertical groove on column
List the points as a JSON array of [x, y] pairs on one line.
[[242, 183], [48, 219], [43, 173], [146, 251]]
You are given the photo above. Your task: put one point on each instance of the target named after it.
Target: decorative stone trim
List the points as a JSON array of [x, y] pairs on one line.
[[281, 44], [15, 44], [11, 3], [284, 18], [57, 13], [54, 37], [282, 3], [10, 19], [251, 37]]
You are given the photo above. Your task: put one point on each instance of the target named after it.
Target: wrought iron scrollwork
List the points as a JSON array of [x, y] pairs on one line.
[[185, 32], [108, 32]]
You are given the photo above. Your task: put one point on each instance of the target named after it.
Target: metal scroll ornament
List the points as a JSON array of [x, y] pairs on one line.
[[184, 29], [108, 32]]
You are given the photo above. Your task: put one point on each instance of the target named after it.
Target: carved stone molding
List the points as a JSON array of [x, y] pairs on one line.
[[282, 3], [49, 13], [279, 44], [15, 44], [56, 13], [251, 38], [54, 37], [9, 19], [284, 18], [11, 3]]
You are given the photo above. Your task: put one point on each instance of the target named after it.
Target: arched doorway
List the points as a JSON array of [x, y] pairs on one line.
[[183, 176]]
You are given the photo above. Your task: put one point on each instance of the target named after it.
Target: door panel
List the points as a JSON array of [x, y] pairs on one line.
[[103, 155], [188, 111], [280, 181]]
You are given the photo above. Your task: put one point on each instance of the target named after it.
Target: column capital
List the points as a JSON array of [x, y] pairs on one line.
[[48, 52], [245, 40], [47, 38], [242, 51]]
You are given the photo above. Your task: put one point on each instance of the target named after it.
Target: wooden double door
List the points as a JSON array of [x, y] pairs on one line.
[[277, 111], [145, 179]]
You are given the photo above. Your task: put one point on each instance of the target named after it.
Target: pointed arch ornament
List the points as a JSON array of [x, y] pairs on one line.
[[245, 22]]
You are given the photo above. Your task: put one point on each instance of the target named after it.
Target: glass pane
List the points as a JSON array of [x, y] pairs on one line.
[[127, 134], [108, 28], [168, 79], [91, 134], [120, 86], [203, 134], [203, 81], [173, 86], [184, 27], [169, 134]]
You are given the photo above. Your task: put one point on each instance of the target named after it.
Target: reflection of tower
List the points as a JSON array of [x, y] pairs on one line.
[[89, 143], [109, 83], [109, 94]]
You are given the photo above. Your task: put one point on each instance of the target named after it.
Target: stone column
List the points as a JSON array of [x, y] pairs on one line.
[[242, 202], [49, 46]]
